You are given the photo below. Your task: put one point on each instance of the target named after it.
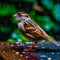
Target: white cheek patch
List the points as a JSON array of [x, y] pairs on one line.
[[20, 25]]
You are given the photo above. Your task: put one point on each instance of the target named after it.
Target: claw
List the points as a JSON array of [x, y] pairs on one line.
[[31, 48]]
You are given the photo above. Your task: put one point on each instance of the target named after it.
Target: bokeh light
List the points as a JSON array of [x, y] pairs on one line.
[[56, 12]]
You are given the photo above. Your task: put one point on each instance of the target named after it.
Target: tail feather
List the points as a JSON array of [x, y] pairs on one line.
[[53, 41], [46, 36]]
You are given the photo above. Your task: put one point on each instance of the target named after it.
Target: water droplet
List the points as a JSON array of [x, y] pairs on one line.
[[12, 45], [3, 51], [27, 57], [43, 56], [52, 53], [19, 59], [13, 50], [23, 52], [17, 53], [49, 58], [2, 43], [21, 55]]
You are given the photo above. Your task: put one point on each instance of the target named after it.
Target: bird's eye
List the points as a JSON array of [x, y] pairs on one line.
[[20, 15]]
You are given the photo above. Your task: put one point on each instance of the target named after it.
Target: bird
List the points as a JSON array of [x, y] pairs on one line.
[[31, 30]]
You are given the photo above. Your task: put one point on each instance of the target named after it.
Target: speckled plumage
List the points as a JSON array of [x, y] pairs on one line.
[[31, 30]]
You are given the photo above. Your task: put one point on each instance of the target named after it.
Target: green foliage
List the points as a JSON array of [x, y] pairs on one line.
[[29, 0], [13, 20], [4, 29], [6, 9], [11, 40], [48, 21], [47, 3], [56, 12], [24, 39]]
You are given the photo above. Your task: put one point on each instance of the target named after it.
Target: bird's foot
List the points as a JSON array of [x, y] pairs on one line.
[[32, 48]]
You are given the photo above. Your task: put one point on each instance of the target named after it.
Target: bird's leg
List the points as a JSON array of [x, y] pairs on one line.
[[34, 47]]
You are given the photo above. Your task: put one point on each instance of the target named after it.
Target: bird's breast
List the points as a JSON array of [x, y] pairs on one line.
[[31, 32]]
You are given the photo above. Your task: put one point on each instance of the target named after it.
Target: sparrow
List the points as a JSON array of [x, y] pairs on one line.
[[31, 30]]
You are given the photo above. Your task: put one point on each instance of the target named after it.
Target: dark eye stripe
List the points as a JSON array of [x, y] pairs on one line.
[[19, 13], [26, 16]]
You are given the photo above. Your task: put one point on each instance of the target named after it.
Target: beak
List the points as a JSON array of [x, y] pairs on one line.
[[15, 15]]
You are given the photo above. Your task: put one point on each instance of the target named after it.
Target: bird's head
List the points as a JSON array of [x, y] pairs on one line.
[[20, 16]]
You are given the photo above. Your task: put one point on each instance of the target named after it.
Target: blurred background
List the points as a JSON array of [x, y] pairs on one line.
[[46, 13]]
